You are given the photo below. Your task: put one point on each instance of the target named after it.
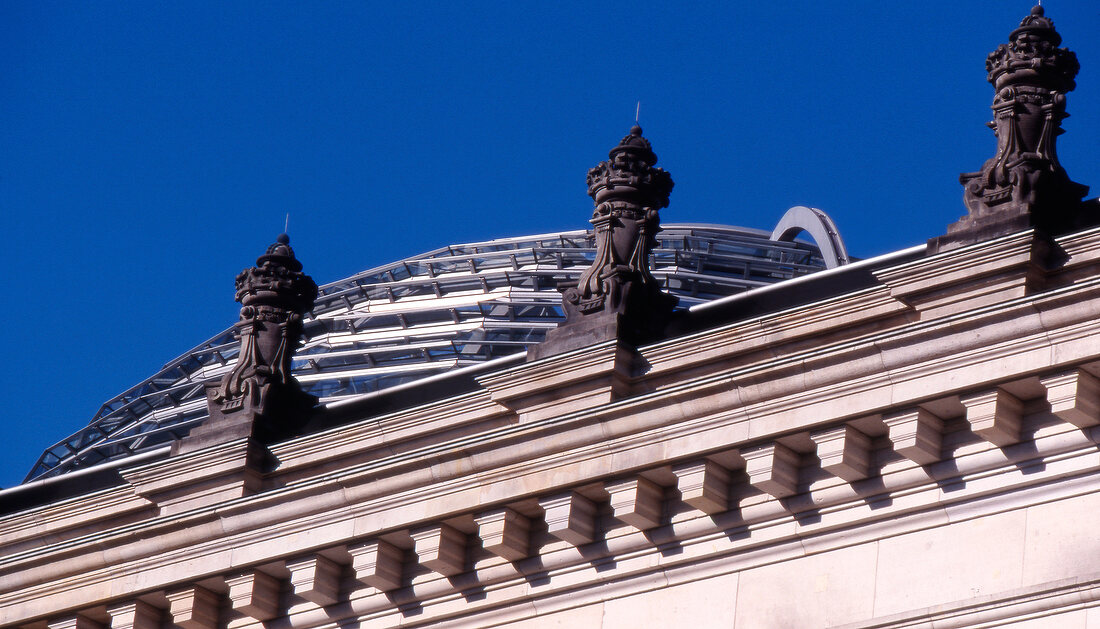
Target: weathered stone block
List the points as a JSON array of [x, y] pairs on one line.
[[916, 434], [773, 469], [570, 517], [315, 578], [194, 608], [254, 594], [703, 485], [844, 452], [504, 533], [377, 564], [1074, 396], [636, 502], [135, 615], [995, 416], [441, 549]]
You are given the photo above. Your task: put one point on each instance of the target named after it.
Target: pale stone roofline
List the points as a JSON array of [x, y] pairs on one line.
[[906, 443], [759, 300], [880, 414]]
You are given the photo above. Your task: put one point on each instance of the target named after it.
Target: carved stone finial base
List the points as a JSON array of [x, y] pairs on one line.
[[1050, 221], [268, 415], [617, 297], [259, 397], [1023, 186], [633, 328], [580, 333]]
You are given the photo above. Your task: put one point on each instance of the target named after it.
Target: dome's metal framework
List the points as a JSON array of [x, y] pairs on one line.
[[452, 307]]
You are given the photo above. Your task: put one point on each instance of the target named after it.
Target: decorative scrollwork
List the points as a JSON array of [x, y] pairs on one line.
[[274, 295], [628, 191], [1031, 76]]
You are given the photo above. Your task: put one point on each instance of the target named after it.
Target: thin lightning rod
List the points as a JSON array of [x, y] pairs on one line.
[[637, 110], [286, 223]]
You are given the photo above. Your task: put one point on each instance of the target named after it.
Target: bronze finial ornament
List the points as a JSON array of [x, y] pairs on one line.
[[1023, 185]]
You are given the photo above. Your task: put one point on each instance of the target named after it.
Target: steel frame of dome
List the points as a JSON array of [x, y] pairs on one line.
[[447, 308]]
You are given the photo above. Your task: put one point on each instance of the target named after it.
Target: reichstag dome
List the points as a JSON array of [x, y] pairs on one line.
[[454, 307]]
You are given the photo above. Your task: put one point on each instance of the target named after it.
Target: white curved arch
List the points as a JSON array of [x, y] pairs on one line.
[[819, 226]]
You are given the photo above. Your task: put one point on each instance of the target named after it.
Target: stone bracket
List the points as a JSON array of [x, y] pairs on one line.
[[194, 608], [773, 469], [636, 502], [703, 485], [844, 452], [441, 549], [377, 564], [254, 594], [570, 517], [916, 434], [995, 416], [504, 533], [135, 615], [315, 578], [74, 622], [1074, 396]]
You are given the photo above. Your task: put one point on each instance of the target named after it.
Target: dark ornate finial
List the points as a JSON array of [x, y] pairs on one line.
[[1023, 185], [617, 297], [1032, 57], [628, 192], [259, 395]]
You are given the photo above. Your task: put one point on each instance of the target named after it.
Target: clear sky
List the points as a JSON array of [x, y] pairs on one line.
[[151, 150]]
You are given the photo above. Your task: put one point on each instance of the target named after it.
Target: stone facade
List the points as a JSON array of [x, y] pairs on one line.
[[918, 450], [906, 441]]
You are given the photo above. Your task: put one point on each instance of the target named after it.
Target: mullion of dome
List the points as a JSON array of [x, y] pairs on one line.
[[336, 339], [370, 349], [410, 304], [381, 369]]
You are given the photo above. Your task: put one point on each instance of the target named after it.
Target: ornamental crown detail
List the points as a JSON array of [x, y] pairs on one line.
[[1032, 57]]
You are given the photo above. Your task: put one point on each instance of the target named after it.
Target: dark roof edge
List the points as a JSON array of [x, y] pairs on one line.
[[789, 293], [769, 298], [758, 301], [408, 395], [877, 261], [71, 484]]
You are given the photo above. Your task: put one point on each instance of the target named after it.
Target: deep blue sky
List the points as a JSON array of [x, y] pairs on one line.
[[149, 151]]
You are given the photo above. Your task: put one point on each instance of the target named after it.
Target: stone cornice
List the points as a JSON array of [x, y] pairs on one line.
[[1082, 247], [961, 265], [768, 332], [990, 610], [653, 412], [552, 386], [777, 532], [761, 392], [387, 431], [38, 527], [703, 546], [191, 555]]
